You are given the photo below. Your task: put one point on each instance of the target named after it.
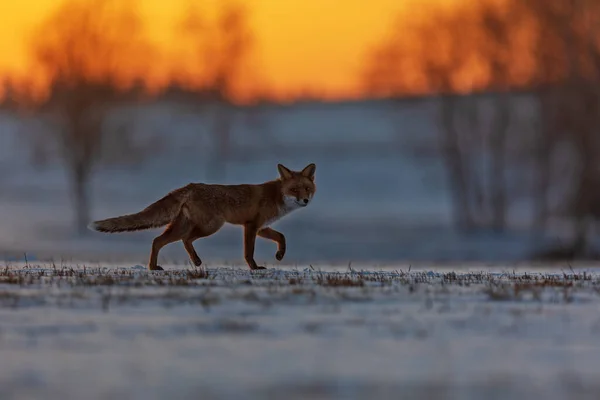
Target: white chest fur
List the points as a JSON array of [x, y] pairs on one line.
[[289, 204]]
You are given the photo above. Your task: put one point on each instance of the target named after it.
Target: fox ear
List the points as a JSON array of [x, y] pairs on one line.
[[284, 172], [309, 171]]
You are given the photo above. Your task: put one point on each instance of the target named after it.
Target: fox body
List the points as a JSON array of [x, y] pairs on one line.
[[199, 210]]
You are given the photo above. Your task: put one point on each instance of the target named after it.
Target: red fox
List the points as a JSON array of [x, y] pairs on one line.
[[199, 210]]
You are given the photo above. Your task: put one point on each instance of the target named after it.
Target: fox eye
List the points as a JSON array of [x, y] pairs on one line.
[[307, 189], [293, 190]]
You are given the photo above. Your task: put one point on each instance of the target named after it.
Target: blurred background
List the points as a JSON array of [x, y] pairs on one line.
[[442, 130]]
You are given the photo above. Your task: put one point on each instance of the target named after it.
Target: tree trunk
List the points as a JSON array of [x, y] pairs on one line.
[[580, 244], [80, 182], [222, 131], [541, 186], [469, 142], [497, 178], [546, 133], [455, 167]]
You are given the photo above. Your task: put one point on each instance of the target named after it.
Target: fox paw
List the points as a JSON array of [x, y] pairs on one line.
[[157, 268], [279, 255], [258, 267]]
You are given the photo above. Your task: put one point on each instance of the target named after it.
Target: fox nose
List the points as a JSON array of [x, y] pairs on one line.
[[305, 201]]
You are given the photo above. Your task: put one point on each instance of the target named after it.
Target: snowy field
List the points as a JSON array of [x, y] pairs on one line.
[[443, 329], [350, 332]]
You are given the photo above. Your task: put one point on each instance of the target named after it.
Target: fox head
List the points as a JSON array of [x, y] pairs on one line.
[[297, 188]]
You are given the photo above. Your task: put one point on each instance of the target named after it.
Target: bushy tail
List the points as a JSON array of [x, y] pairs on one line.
[[155, 215]]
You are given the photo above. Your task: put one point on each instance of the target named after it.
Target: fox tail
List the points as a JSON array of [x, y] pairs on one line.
[[155, 215]]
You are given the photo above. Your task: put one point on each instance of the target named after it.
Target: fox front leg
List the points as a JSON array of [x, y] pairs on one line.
[[250, 232], [277, 237]]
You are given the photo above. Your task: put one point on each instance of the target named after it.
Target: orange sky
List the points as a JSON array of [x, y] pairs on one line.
[[302, 44]]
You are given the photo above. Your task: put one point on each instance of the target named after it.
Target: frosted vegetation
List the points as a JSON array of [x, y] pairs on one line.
[[75, 331]]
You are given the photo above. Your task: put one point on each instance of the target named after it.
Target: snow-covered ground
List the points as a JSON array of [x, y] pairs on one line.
[[91, 326], [116, 331]]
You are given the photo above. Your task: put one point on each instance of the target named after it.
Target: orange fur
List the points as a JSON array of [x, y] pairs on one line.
[[199, 210]]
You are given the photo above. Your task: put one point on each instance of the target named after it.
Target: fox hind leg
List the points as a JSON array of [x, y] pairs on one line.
[[189, 247], [175, 231], [207, 228]]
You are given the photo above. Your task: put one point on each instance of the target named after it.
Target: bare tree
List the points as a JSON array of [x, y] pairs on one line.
[[86, 50], [551, 49], [8, 97], [223, 47], [566, 75], [432, 55], [494, 48]]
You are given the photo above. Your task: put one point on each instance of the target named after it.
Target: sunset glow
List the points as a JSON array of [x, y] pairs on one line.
[[302, 46]]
